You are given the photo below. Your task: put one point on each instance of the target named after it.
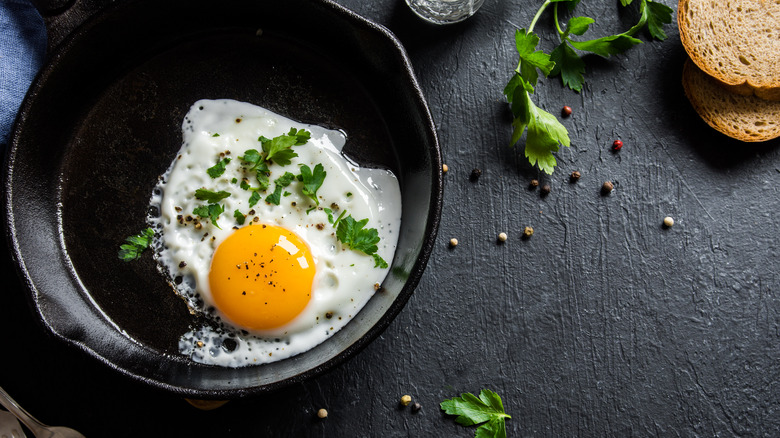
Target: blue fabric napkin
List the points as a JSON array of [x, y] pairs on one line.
[[22, 50]]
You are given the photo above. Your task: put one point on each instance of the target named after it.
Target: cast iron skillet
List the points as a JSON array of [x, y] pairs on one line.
[[102, 122]]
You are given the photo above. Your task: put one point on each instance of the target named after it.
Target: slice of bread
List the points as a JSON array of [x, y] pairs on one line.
[[735, 41], [746, 118]]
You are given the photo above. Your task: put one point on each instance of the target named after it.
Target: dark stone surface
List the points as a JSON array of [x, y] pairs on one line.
[[603, 323]]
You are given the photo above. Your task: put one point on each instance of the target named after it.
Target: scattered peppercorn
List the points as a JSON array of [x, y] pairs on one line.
[[668, 221], [405, 400], [475, 174], [528, 232], [575, 176], [566, 111], [616, 145], [607, 187], [453, 242], [545, 190], [322, 413], [502, 237], [534, 184], [416, 407], [445, 168]]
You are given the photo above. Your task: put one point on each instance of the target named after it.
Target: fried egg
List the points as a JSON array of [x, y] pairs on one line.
[[272, 281]]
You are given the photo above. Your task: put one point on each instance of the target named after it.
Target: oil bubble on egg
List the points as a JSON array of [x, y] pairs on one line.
[[265, 266]]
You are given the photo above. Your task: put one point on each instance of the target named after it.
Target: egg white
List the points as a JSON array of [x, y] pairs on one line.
[[344, 280]]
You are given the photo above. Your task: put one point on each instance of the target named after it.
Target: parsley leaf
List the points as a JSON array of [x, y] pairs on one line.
[[278, 149], [240, 217], [657, 15], [545, 133], [136, 245], [312, 181], [569, 65], [329, 212], [608, 45], [353, 234], [263, 176], [281, 182], [209, 196], [254, 198], [379, 262], [218, 169], [302, 136], [531, 59], [487, 411], [211, 211], [253, 157]]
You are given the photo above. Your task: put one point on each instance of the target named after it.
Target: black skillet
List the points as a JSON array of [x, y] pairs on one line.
[[102, 122]]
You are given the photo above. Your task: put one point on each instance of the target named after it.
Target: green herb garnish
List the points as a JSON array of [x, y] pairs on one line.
[[281, 182], [312, 181], [210, 196], [254, 198], [279, 149], [487, 410], [545, 133], [568, 63], [352, 234], [253, 157], [240, 217], [211, 212], [218, 169], [136, 245]]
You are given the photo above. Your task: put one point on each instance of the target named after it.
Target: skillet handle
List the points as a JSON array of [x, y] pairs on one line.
[[63, 16]]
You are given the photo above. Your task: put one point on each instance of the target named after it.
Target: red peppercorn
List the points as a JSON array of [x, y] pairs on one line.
[[616, 145], [566, 111]]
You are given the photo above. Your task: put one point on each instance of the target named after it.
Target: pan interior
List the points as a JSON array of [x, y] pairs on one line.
[[131, 132]]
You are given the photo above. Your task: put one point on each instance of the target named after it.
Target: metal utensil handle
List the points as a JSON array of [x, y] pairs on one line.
[[34, 425]]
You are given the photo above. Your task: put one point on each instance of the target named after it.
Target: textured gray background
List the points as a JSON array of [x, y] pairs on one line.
[[604, 323]]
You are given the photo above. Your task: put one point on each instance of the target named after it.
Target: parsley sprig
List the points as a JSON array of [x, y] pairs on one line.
[[211, 212], [136, 245], [277, 150], [355, 236], [545, 134], [281, 182], [312, 181], [568, 63], [487, 410]]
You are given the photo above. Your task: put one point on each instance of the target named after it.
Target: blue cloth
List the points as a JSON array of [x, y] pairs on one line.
[[22, 51]]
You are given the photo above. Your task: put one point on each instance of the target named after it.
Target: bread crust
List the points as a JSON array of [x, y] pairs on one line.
[[746, 118], [737, 42]]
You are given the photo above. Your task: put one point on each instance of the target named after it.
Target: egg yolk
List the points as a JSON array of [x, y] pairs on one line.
[[261, 277]]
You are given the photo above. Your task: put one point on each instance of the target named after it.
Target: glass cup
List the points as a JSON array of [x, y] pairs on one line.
[[444, 11]]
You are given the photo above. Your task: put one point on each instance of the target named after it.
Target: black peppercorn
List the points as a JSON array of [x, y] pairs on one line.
[[475, 174]]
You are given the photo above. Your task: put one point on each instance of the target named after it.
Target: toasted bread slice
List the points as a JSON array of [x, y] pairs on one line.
[[735, 41], [746, 118]]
